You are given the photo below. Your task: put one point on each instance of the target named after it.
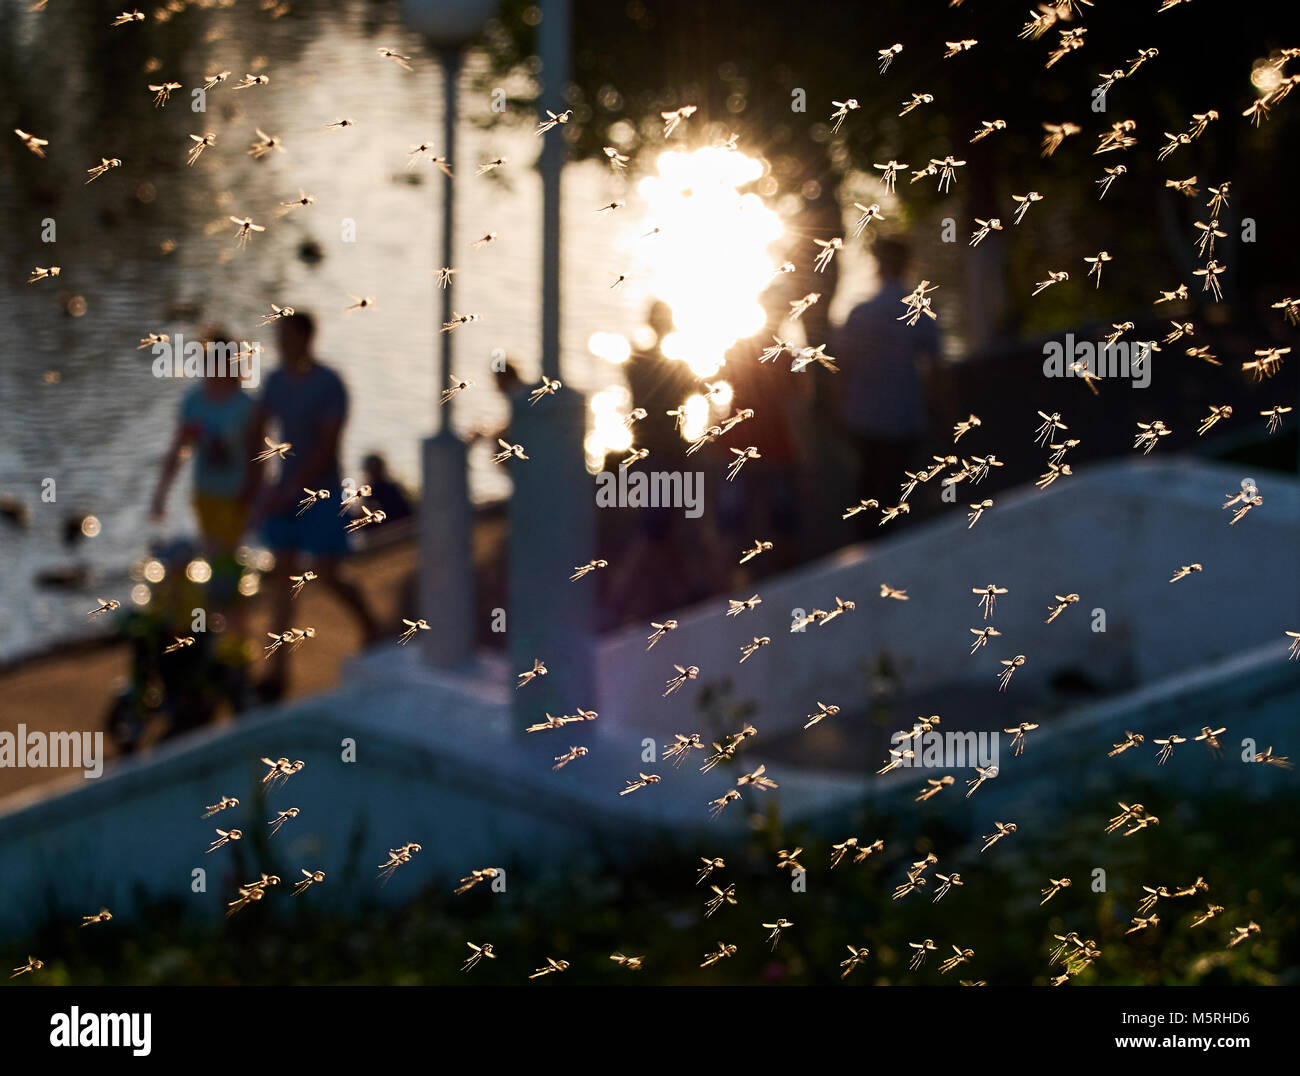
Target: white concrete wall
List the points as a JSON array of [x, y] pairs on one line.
[[439, 761], [1112, 534]]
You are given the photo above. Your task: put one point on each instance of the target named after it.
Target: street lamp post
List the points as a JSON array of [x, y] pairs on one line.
[[554, 49], [552, 509], [446, 585]]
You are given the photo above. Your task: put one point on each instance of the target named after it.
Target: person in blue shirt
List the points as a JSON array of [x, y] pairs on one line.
[[307, 404]]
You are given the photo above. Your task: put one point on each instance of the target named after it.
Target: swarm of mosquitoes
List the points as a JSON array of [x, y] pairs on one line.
[[1070, 953]]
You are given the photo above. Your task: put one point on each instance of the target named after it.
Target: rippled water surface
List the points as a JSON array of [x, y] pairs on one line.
[[100, 430]]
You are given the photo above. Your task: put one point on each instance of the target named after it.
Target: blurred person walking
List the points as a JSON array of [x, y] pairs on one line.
[[308, 403], [767, 496], [656, 570], [218, 423], [885, 365]]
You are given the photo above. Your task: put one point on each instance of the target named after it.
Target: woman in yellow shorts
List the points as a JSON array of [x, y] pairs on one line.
[[218, 423]]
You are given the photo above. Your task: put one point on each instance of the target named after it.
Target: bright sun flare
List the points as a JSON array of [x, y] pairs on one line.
[[708, 261]]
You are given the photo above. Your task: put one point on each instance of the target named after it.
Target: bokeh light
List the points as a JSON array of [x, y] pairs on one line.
[[1265, 76], [696, 419], [609, 430], [610, 346]]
